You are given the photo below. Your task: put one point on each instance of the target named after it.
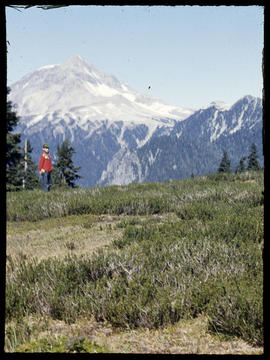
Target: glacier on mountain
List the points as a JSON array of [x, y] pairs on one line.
[[79, 86]]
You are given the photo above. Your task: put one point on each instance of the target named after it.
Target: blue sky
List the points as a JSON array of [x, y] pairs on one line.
[[189, 55]]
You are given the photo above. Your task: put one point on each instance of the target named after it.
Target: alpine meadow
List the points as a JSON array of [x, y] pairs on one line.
[[134, 225], [169, 267]]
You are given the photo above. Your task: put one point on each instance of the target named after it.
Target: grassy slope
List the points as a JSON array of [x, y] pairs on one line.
[[207, 212]]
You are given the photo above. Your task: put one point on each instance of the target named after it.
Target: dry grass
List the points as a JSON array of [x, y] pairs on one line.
[[184, 337], [58, 237]]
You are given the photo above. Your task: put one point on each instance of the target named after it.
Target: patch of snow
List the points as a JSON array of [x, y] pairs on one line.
[[124, 87], [26, 84], [216, 127], [129, 96], [47, 67], [219, 128], [239, 123], [58, 130], [91, 73], [152, 158]]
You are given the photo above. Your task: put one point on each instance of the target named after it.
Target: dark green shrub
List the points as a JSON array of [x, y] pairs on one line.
[[200, 210], [129, 221], [135, 234], [238, 309]]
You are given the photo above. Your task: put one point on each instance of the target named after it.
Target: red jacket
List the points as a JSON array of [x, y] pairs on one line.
[[45, 162]]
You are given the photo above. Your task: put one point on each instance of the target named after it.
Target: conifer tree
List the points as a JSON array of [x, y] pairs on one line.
[[241, 167], [30, 171], [225, 164], [253, 163], [14, 174], [66, 172]]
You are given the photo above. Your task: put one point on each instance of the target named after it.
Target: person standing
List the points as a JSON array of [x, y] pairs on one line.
[[45, 168]]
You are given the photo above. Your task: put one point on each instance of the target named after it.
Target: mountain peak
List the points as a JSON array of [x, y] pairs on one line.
[[219, 105], [248, 100], [76, 60], [248, 97], [76, 57], [79, 63], [76, 87]]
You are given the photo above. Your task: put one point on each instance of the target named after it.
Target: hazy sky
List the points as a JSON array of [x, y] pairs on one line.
[[189, 55]]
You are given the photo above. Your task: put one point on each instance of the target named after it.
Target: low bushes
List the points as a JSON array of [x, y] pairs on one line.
[[237, 309], [139, 199], [158, 278], [208, 261], [36, 205]]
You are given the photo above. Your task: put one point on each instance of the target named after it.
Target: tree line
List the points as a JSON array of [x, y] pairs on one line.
[[22, 171], [252, 162]]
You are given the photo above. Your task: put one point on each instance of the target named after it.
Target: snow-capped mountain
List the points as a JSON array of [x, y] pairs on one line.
[[77, 87], [194, 145], [120, 135], [98, 114], [223, 119]]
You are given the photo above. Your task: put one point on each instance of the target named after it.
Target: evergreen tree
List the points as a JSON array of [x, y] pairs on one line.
[[14, 174], [241, 167], [30, 170], [66, 172], [225, 164], [253, 163]]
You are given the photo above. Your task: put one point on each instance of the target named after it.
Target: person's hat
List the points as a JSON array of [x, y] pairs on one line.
[[45, 146]]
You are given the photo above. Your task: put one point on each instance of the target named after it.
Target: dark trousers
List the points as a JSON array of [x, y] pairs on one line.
[[46, 179]]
